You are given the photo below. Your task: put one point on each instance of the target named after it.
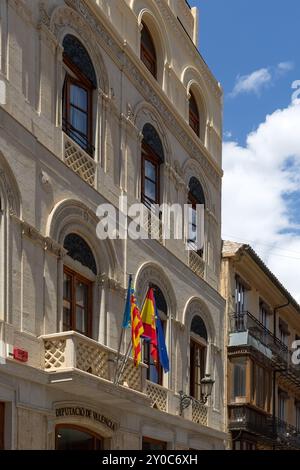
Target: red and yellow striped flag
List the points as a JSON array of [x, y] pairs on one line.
[[137, 330], [148, 317]]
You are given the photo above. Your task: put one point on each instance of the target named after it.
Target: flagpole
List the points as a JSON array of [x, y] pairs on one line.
[[123, 363], [120, 342]]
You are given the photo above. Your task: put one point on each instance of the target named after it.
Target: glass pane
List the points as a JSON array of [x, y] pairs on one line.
[[150, 170], [78, 120], [150, 190], [78, 97], [80, 320], [81, 294], [66, 315], [67, 286], [239, 378], [75, 439]]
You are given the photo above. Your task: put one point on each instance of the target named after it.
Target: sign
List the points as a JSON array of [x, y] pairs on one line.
[[20, 355], [82, 412]]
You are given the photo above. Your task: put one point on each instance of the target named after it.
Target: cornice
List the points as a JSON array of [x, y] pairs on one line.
[[120, 53]]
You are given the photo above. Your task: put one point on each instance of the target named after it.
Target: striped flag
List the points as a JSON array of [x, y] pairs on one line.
[[137, 330], [148, 317]]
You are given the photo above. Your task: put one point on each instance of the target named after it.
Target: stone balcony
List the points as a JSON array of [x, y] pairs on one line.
[[71, 351]]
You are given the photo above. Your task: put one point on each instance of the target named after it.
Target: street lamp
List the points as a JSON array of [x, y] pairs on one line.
[[206, 388]]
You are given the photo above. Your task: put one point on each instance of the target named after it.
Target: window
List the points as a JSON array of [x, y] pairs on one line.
[[244, 445], [195, 197], [2, 424], [153, 444], [77, 303], [80, 81], [282, 397], [297, 410], [70, 437], [154, 371], [283, 332], [240, 296], [79, 250], [148, 53], [261, 387], [264, 314], [238, 378], [194, 119], [198, 347], [152, 158]]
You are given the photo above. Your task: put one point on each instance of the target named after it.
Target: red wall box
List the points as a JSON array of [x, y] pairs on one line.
[[20, 355]]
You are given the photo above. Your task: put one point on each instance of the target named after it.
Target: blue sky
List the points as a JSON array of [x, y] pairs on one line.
[[253, 49], [238, 37]]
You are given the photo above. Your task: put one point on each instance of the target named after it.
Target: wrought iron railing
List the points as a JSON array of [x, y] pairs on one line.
[[79, 137], [278, 432], [245, 321]]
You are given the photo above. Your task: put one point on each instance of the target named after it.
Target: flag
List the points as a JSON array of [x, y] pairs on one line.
[[161, 344], [148, 319], [127, 311], [137, 330]]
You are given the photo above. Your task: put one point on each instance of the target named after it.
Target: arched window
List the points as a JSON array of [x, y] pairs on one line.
[[155, 372], [198, 349], [194, 118], [195, 197], [80, 81], [152, 158], [148, 53], [77, 290]]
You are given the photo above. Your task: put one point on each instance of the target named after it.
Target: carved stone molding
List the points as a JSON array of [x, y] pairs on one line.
[[12, 204], [104, 281], [151, 273], [66, 16]]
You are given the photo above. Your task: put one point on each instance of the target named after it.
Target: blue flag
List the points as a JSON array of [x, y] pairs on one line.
[[127, 311], [161, 344]]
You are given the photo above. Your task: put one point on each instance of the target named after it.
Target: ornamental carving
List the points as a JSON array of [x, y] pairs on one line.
[[12, 205], [66, 16]]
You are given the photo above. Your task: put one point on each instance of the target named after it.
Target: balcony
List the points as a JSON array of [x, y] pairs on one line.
[[272, 430], [243, 325], [72, 358], [196, 263], [246, 330], [70, 351], [78, 160]]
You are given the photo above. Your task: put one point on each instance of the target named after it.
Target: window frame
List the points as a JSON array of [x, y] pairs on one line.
[[148, 154], [145, 52], [75, 276], [150, 441], [200, 346], [194, 117], [80, 81]]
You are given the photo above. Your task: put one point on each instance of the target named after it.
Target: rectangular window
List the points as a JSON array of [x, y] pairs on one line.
[[2, 424], [240, 296], [264, 314], [153, 444], [77, 303], [197, 368], [150, 177], [283, 332], [77, 104], [282, 396], [297, 410], [239, 377]]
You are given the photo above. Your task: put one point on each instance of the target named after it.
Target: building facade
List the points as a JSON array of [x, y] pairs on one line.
[[263, 371], [102, 99]]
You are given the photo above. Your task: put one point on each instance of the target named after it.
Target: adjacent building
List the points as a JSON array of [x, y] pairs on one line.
[[102, 99], [263, 372]]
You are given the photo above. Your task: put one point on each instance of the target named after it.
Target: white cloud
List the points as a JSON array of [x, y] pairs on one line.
[[259, 79], [256, 178], [252, 83], [284, 67], [227, 134]]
